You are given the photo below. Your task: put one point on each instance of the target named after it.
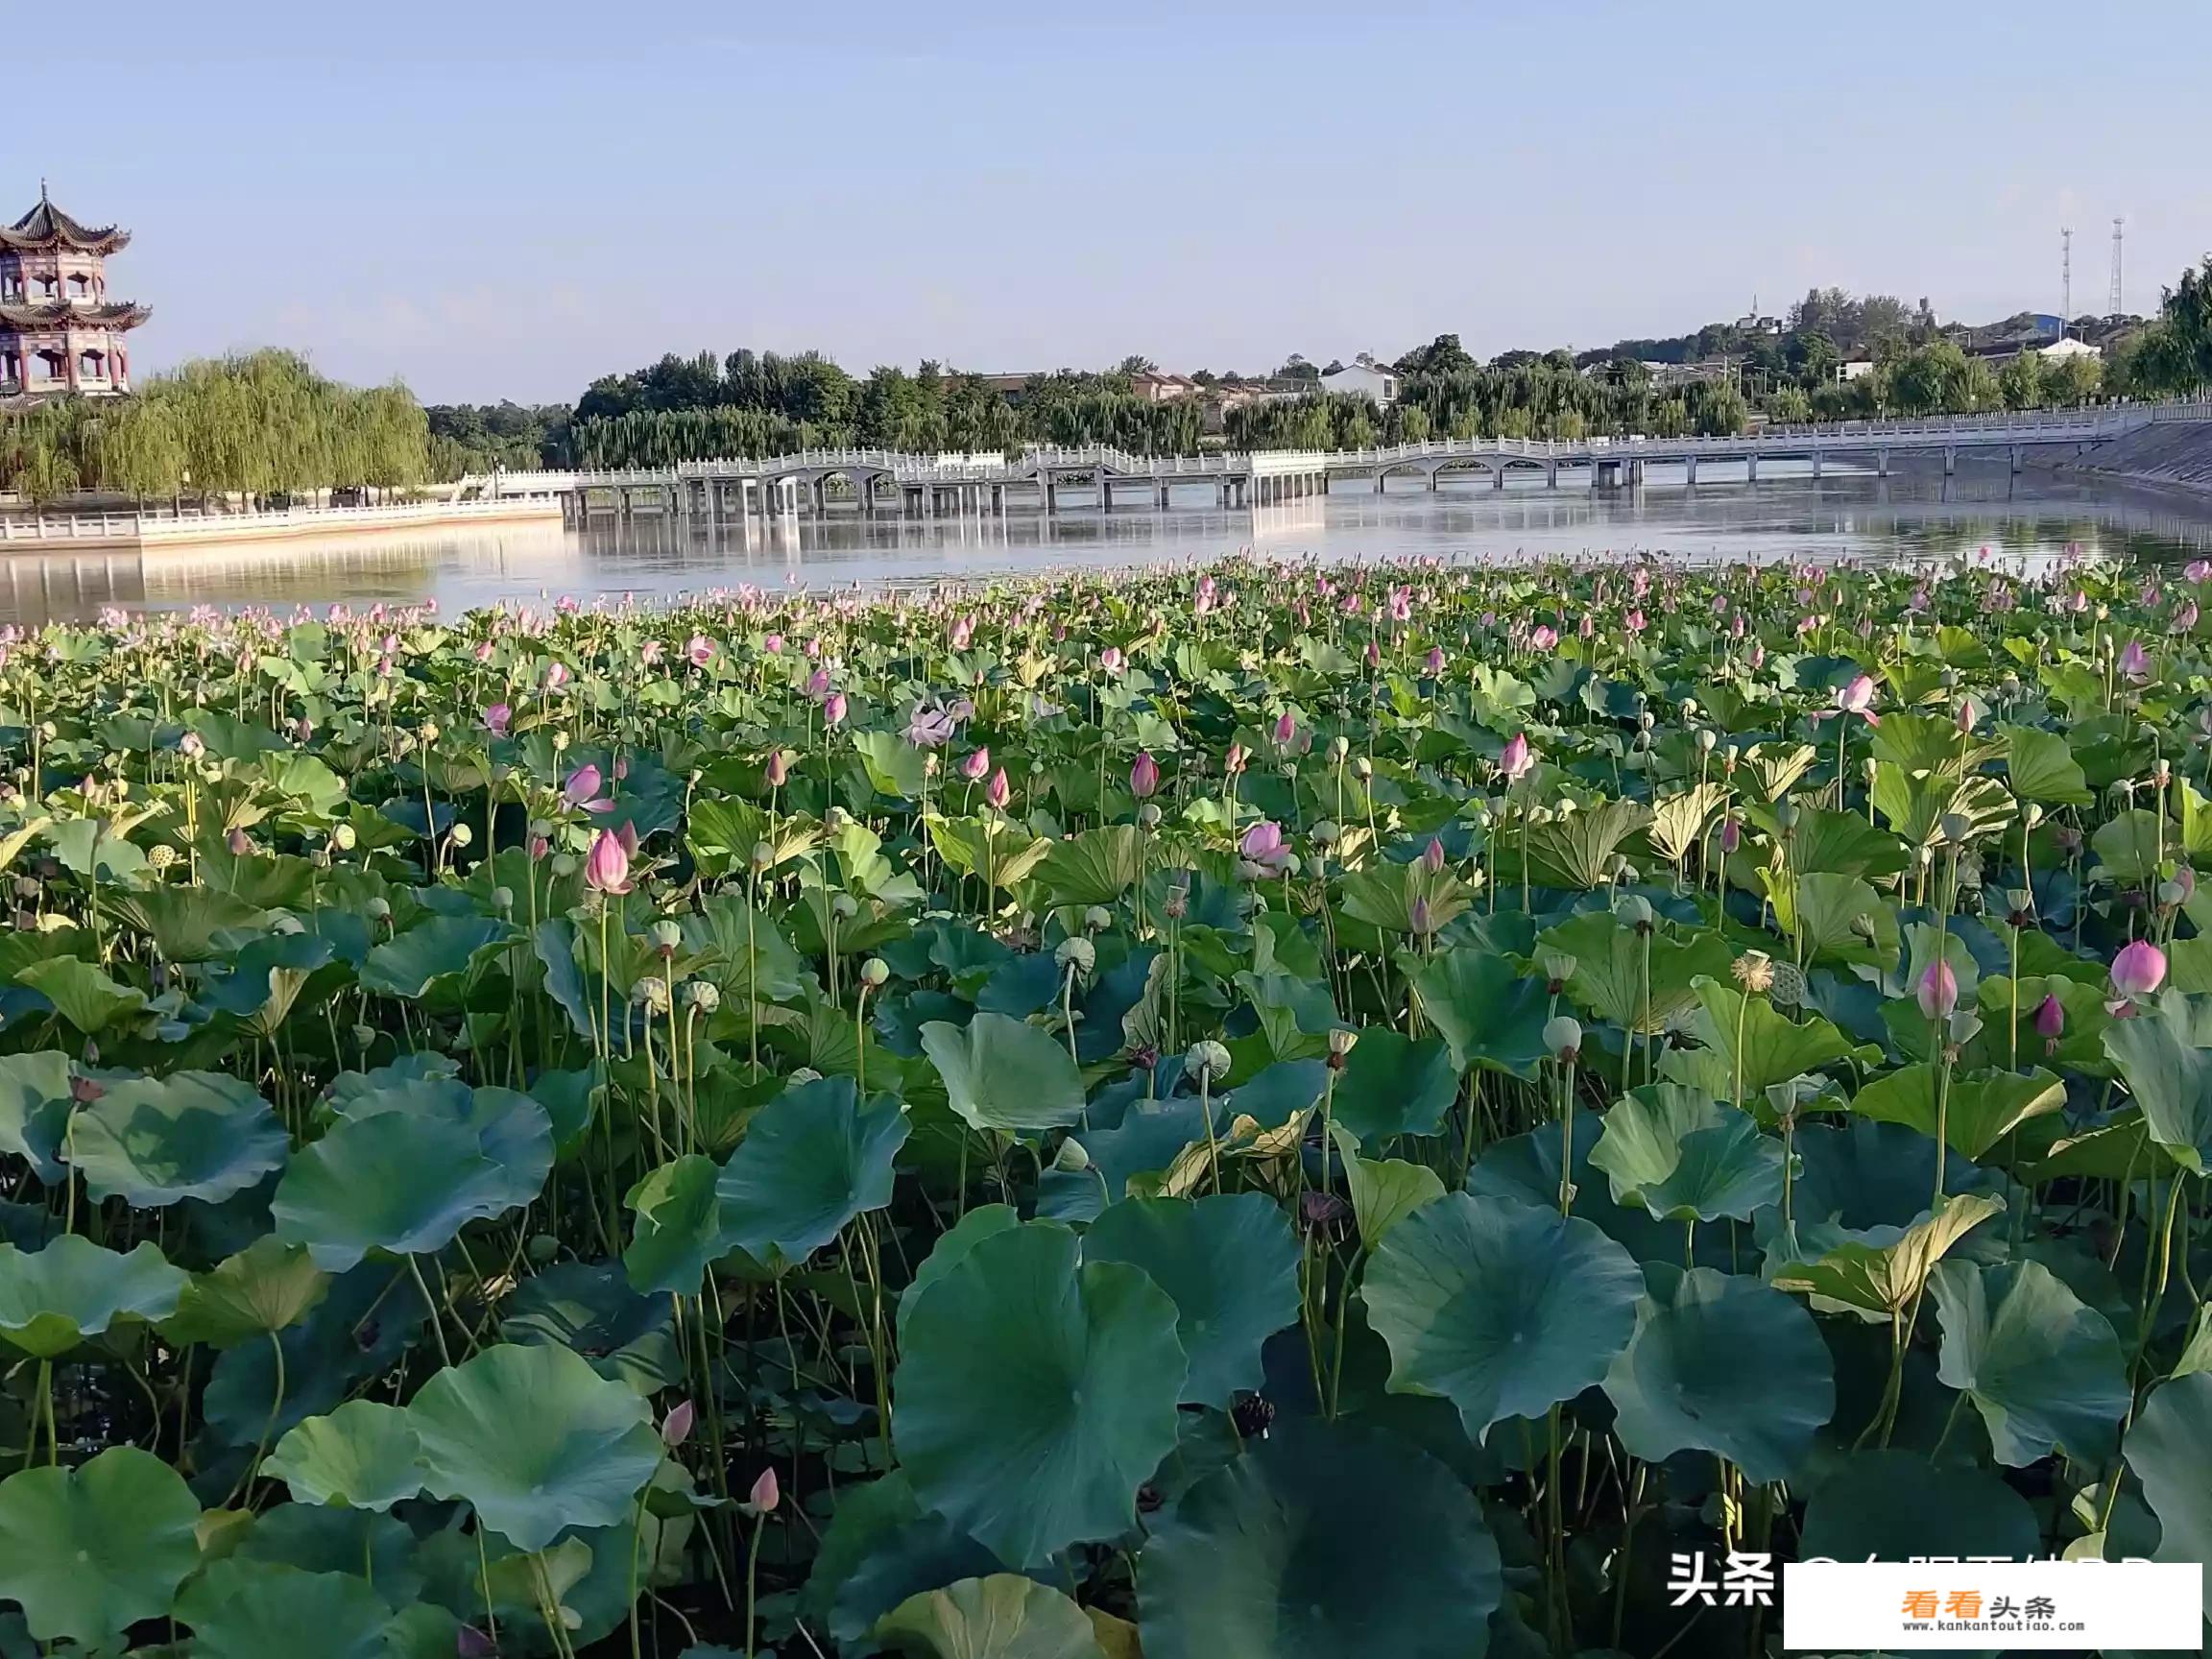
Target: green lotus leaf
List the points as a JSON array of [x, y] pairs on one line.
[[1841, 918], [1637, 981], [268, 1607], [356, 1333], [1228, 1261], [678, 1230], [1504, 1309], [1384, 1192], [410, 964], [1001, 1616], [2041, 767], [1981, 1110], [363, 1456], [1393, 1084], [2044, 1371], [265, 1287], [1486, 1008], [511, 1130], [1095, 867], [1070, 1374], [2167, 1448], [812, 1159], [323, 1538], [391, 1182], [1897, 1506], [1722, 1363], [2165, 1055], [86, 997], [1321, 1541], [184, 922], [1005, 1075], [1882, 1269], [88, 1552], [536, 1441], [35, 1106], [591, 1308], [879, 1550], [1774, 1047], [154, 1141], [952, 1249], [72, 1290], [1685, 1157]]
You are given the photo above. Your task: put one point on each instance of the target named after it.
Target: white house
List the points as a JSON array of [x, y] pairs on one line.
[[2059, 350], [1363, 379]]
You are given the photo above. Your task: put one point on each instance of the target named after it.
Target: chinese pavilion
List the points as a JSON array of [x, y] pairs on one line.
[[59, 332]]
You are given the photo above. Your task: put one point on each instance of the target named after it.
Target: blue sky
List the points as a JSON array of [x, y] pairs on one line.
[[493, 199]]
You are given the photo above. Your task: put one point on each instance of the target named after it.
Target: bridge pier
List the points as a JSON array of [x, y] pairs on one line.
[[1550, 474], [1950, 459], [1497, 477], [2016, 449], [1690, 470], [1105, 494], [1816, 463], [1635, 473], [1751, 468], [1882, 463]]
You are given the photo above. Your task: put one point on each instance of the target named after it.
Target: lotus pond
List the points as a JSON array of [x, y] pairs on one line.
[[1271, 1111]]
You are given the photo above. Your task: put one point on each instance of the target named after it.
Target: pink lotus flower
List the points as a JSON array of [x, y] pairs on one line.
[[1518, 759], [2135, 661], [1400, 604], [773, 644], [1856, 698], [699, 650], [2051, 1018], [1967, 715], [1285, 728], [818, 682], [650, 653], [1265, 852], [963, 631], [1435, 663], [676, 1427], [483, 650], [778, 769], [1938, 992], [765, 1493], [1731, 835], [929, 728], [1543, 637], [999, 791], [1112, 660], [833, 709], [2139, 969], [976, 765], [556, 676], [607, 868], [2199, 570], [1145, 775], [497, 717], [2185, 618], [582, 789], [1232, 763]]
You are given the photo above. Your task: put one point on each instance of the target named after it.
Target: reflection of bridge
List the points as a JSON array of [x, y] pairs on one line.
[[815, 480]]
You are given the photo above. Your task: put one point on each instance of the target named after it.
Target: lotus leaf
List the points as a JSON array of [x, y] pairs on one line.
[[812, 1159], [154, 1141], [71, 1290], [2044, 1371], [88, 1552], [1000, 1617], [363, 1456], [1071, 1373], [1002, 1074]]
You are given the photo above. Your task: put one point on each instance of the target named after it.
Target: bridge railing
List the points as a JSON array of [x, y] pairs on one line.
[[156, 523]]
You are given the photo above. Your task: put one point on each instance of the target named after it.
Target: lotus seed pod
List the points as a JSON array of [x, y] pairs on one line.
[[542, 1248], [667, 935], [1097, 919], [1326, 835], [1563, 1036], [763, 855], [1754, 972], [363, 1036], [429, 731], [1340, 746], [1362, 768], [1558, 967], [1786, 814], [1707, 739], [703, 994], [1070, 1158], [160, 856], [1633, 910], [1342, 1039], [844, 906], [805, 1075], [1207, 1059], [2031, 814], [1077, 952], [651, 993], [343, 837], [461, 835], [875, 972], [1148, 815], [1957, 828], [377, 909], [503, 899]]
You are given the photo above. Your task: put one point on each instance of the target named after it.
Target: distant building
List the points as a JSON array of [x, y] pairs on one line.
[[1154, 387], [59, 332], [1854, 369], [1997, 352], [1364, 380]]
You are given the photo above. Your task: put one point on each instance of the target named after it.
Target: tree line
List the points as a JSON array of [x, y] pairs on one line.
[[249, 427]]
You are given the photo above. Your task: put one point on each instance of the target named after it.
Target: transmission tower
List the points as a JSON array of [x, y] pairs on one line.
[[2116, 305], [2065, 277]]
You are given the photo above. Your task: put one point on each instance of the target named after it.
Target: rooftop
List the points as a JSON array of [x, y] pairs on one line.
[[46, 227]]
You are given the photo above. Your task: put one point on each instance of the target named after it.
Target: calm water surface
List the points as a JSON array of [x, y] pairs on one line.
[[1780, 517]]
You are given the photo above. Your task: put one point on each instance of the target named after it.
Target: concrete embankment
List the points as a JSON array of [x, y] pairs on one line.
[[2177, 454]]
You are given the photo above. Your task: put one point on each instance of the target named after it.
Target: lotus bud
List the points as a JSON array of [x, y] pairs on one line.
[[763, 855], [2139, 969], [1070, 1158], [344, 836], [1633, 910], [503, 899], [763, 1497], [667, 936], [542, 1248], [2051, 1018], [703, 994], [1097, 919], [1939, 991], [1563, 1037], [1077, 953], [1433, 855], [676, 1427], [778, 770], [1143, 775], [875, 972], [1207, 1060]]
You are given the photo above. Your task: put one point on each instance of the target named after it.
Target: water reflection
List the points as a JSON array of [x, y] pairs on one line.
[[1781, 517]]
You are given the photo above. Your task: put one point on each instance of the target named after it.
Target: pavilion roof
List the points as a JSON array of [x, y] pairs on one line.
[[46, 227], [62, 314]]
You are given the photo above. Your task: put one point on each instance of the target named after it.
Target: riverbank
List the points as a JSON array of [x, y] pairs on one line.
[[143, 531], [2174, 455]]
